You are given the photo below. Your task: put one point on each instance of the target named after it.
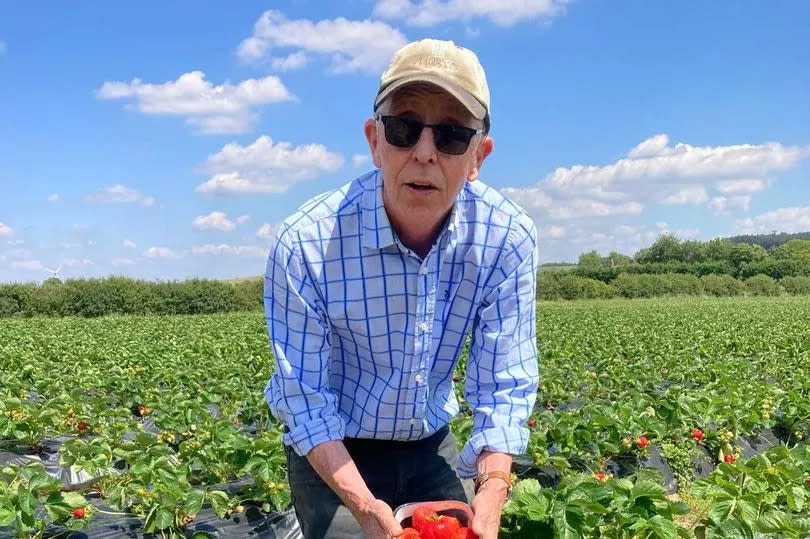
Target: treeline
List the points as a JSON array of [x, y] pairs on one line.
[[669, 266], [769, 241], [122, 295], [565, 285]]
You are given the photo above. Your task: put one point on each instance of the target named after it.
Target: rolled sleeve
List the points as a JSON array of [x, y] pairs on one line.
[[298, 392], [502, 368]]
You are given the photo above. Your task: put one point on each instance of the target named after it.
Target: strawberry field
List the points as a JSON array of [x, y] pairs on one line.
[[659, 418]]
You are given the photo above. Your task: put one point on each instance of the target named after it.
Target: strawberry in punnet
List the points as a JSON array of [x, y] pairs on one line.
[[729, 458], [643, 442], [697, 434], [421, 515], [78, 512]]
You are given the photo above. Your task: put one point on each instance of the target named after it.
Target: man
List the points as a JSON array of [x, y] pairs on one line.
[[371, 292]]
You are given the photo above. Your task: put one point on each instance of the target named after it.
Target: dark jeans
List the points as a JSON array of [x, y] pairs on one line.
[[395, 472]]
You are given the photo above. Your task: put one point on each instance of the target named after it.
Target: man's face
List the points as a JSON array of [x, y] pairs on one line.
[[420, 184]]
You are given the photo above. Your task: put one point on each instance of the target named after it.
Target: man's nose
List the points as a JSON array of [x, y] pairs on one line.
[[425, 149]]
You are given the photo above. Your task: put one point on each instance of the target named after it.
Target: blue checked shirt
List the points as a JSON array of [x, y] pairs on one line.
[[366, 335]]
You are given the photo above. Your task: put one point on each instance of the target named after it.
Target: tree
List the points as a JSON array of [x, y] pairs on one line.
[[591, 259], [793, 250]]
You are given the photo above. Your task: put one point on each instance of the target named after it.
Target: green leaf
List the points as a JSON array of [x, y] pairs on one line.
[[163, 518], [734, 529], [6, 516], [219, 502], [663, 528], [721, 510], [774, 522], [194, 501], [649, 489], [74, 499]]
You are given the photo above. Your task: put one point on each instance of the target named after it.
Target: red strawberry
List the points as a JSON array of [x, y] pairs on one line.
[[643, 442], [729, 458], [82, 426], [807, 482], [697, 434], [78, 512], [532, 423], [466, 533], [600, 476]]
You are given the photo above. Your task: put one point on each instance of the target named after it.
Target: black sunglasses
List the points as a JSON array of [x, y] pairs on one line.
[[405, 132]]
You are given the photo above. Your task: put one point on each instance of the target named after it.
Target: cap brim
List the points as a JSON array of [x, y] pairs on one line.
[[462, 96]]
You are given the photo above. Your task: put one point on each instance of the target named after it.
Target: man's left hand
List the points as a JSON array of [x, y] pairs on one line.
[[487, 506]]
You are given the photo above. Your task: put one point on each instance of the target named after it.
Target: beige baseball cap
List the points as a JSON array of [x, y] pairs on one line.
[[444, 64]]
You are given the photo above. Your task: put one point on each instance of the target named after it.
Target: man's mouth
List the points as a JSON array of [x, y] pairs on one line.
[[420, 186]]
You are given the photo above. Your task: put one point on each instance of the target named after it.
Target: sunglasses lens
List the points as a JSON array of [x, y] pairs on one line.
[[401, 132], [452, 139]]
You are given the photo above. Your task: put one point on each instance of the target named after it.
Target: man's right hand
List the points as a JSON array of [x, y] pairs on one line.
[[377, 520]]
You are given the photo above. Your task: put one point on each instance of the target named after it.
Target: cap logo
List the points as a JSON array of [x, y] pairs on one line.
[[435, 62]]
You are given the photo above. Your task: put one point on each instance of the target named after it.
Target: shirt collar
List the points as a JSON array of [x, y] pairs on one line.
[[377, 230]]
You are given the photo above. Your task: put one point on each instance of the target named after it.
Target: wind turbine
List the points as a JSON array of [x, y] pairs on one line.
[[55, 272]]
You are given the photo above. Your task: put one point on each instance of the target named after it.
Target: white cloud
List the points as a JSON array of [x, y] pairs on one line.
[[122, 262], [267, 231], [722, 205], [216, 220], [159, 252], [501, 12], [120, 194], [296, 60], [242, 219], [794, 219], [71, 262], [360, 159], [654, 161], [693, 194], [54, 197], [70, 244], [5, 230], [15, 242], [129, 244], [730, 187], [624, 230], [27, 264], [209, 109], [265, 167], [349, 45], [529, 198], [579, 208], [551, 232], [656, 172], [21, 253], [229, 250]]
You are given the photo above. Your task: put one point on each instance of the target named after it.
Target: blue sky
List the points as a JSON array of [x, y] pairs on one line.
[[166, 141]]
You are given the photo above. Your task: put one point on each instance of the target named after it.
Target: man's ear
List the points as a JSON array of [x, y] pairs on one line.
[[370, 130], [481, 153]]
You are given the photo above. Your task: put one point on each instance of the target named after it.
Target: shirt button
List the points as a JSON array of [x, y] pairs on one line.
[[423, 270], [418, 377], [423, 326]]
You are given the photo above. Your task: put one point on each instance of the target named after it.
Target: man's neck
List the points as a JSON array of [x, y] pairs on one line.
[[418, 237]]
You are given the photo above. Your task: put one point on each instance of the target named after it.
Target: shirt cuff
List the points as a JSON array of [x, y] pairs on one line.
[[511, 440], [306, 436]]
